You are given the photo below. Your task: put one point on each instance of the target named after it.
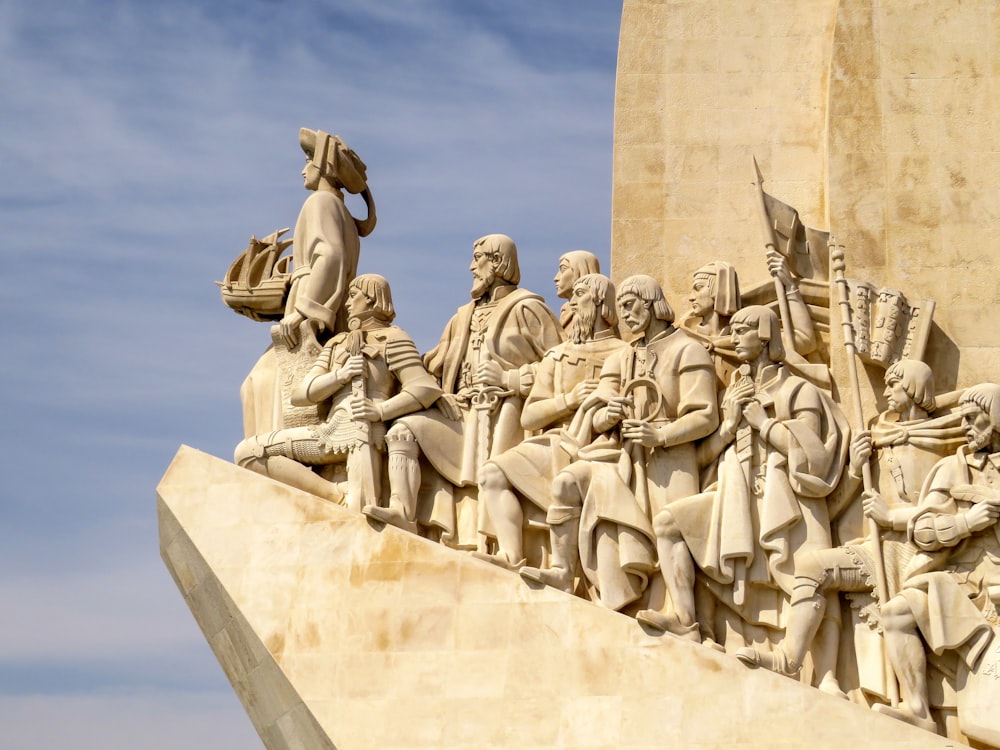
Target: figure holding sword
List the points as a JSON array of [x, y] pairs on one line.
[[370, 375]]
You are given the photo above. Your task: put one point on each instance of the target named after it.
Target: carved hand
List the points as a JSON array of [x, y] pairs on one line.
[[618, 408], [640, 432], [876, 508], [489, 373], [778, 267], [860, 452], [738, 394], [289, 328], [754, 414], [579, 393], [982, 515], [448, 405], [353, 367], [364, 409]]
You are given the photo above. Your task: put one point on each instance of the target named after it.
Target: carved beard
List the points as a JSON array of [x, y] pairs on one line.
[[979, 439], [583, 325], [482, 284]]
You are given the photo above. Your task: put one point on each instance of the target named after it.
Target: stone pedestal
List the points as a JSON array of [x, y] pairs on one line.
[[337, 635]]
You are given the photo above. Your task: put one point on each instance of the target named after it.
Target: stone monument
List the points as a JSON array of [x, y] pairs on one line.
[[767, 520]]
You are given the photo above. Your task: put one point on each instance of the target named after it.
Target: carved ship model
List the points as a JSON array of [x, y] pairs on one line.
[[258, 280]]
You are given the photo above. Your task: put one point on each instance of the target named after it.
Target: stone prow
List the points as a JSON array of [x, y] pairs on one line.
[[336, 634]]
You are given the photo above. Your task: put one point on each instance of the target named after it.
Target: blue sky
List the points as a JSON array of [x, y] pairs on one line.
[[141, 144]]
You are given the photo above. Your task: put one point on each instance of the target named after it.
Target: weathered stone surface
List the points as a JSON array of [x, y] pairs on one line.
[[874, 120], [337, 635]]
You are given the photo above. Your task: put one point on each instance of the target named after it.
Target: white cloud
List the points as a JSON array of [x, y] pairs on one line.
[[142, 143]]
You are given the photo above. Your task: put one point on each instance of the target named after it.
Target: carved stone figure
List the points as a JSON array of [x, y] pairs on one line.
[[484, 361], [565, 377], [951, 588], [370, 375], [326, 244], [906, 445], [325, 251], [783, 444], [715, 296], [572, 266], [654, 399]]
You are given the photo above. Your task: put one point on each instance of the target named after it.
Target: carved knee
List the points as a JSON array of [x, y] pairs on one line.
[[897, 615], [247, 452], [565, 490], [400, 440], [492, 478], [811, 578], [665, 526]]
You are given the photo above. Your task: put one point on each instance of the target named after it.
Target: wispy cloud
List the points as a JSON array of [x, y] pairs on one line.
[[141, 144]]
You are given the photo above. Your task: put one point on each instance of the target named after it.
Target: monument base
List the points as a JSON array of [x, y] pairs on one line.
[[335, 634]]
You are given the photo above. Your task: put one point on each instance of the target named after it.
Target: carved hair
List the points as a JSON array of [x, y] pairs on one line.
[[725, 286], [338, 162], [917, 381], [604, 295], [768, 328], [503, 253], [648, 290], [376, 289], [582, 262], [987, 397]]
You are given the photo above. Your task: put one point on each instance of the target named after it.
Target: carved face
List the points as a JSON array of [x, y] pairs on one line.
[[635, 311], [483, 273], [977, 425], [746, 341], [897, 399], [564, 280], [310, 174], [358, 303], [584, 308], [702, 297]]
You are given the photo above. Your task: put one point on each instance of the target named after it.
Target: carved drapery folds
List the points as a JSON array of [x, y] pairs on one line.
[[699, 474]]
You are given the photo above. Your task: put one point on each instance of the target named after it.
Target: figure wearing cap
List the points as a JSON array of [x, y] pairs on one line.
[[325, 250], [326, 242]]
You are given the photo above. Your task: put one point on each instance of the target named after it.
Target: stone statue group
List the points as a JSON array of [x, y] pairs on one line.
[[697, 476]]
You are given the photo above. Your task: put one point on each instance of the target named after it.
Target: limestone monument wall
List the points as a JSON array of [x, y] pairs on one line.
[[877, 120]]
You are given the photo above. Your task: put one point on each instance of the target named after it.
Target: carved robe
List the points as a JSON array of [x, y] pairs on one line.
[[949, 583], [621, 497], [531, 465], [514, 329], [768, 508], [325, 251]]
